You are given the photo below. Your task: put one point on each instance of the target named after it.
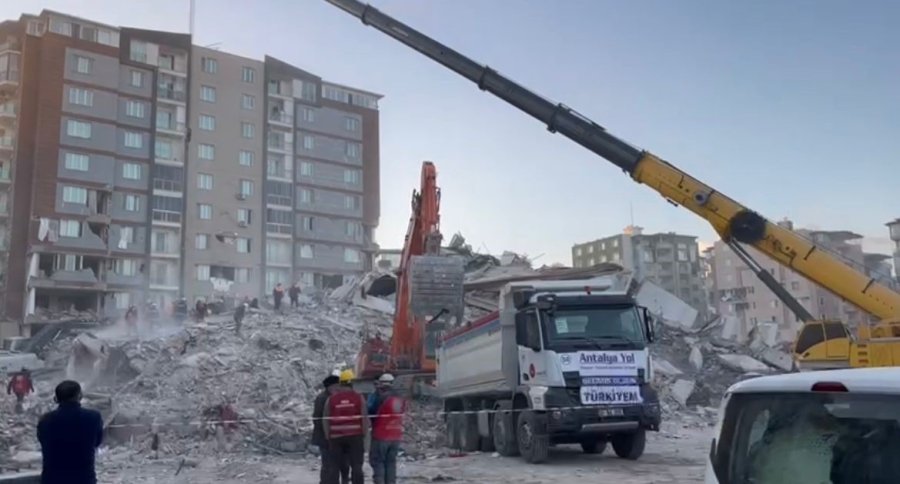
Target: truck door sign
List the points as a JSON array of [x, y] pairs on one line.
[[608, 377]]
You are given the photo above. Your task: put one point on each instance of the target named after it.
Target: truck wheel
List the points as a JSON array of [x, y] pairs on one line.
[[453, 431], [504, 435], [630, 446], [468, 432], [534, 440], [593, 446]]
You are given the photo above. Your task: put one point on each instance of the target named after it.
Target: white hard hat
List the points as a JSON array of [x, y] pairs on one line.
[[386, 378]]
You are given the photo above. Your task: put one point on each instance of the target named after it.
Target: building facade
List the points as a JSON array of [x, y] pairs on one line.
[[669, 260], [136, 166]]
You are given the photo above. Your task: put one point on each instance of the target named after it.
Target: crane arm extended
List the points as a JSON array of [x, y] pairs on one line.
[[731, 220]]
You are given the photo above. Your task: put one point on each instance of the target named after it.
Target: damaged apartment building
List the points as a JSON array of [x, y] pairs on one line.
[[136, 166]]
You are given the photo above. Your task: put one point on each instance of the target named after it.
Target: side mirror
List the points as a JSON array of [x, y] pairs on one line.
[[528, 331], [648, 324], [521, 329]]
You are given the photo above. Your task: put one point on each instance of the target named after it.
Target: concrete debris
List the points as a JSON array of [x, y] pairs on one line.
[[744, 363], [681, 390], [696, 358]]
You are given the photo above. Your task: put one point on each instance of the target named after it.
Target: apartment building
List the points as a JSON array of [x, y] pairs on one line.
[[894, 228], [669, 260], [134, 166]]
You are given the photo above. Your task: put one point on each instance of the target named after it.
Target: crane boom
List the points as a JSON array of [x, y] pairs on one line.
[[731, 220]]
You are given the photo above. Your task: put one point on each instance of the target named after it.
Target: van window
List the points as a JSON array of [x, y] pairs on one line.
[[809, 438]]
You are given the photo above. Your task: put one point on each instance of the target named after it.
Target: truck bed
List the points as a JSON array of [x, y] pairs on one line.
[[469, 360]]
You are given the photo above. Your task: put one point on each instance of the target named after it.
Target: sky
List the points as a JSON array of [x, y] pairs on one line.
[[791, 108]]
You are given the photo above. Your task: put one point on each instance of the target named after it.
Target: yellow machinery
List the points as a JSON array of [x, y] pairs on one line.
[[820, 344]]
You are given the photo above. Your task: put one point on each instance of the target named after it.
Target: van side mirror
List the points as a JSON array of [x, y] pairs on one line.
[[648, 324]]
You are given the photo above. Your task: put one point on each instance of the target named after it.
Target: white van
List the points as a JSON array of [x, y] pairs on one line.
[[819, 427]]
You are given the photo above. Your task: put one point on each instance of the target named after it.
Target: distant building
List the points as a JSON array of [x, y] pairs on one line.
[[388, 259], [669, 260], [894, 227]]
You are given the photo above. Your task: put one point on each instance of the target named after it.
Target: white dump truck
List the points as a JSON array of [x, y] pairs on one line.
[[561, 362]]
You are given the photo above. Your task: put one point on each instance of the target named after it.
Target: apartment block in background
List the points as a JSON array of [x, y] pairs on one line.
[[321, 178], [11, 34], [669, 260], [894, 228]]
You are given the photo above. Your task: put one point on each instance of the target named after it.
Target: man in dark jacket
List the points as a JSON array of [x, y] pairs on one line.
[[239, 316], [294, 294], [318, 438], [69, 438]]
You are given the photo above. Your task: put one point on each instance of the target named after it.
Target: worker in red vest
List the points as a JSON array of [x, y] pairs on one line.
[[21, 385], [387, 409], [346, 424]]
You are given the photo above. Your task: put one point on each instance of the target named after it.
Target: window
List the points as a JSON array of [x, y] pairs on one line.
[[243, 215], [351, 256], [247, 130], [241, 274], [208, 94], [278, 252], [305, 195], [308, 115], [163, 149], [137, 79], [207, 122], [307, 224], [126, 267], [351, 202], [248, 74], [246, 188], [306, 251], [245, 158], [69, 228], [202, 273], [351, 177], [132, 203], [201, 241], [134, 140], [204, 181], [206, 152], [210, 66], [353, 150], [307, 90], [352, 229], [126, 234], [78, 129], [204, 211], [138, 51], [81, 97], [131, 171], [134, 109], [248, 101], [306, 168], [309, 142], [351, 124], [83, 65], [243, 245], [75, 195], [77, 161]]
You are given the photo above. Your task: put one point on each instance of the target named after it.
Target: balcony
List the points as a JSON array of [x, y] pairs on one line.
[[5, 172], [174, 95], [7, 143], [10, 46], [9, 80], [168, 185], [8, 111], [280, 118], [165, 217], [173, 128], [279, 229]]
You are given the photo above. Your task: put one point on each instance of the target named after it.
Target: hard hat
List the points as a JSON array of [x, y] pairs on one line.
[[347, 376], [386, 378]]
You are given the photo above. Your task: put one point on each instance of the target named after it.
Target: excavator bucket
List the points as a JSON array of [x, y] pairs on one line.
[[436, 285]]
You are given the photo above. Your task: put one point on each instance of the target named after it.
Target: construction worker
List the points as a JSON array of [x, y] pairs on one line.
[[294, 294], [346, 425], [386, 409], [239, 313], [69, 437], [21, 385], [180, 310], [277, 296], [200, 310], [329, 385]]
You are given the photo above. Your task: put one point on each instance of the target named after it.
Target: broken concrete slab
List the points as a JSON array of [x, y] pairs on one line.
[[696, 358], [665, 368], [778, 359], [743, 363], [681, 391]]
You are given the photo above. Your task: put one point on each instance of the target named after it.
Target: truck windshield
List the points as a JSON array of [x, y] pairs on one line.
[[798, 438], [606, 324]]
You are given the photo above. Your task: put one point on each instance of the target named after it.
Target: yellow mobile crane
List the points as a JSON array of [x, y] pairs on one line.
[[819, 344]]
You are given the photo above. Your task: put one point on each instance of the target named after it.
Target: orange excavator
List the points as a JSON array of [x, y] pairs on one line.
[[429, 294]]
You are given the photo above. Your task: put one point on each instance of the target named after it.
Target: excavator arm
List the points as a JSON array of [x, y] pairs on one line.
[[731, 220]]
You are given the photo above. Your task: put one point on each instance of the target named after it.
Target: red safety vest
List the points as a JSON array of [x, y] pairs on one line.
[[388, 424], [345, 410], [21, 385]]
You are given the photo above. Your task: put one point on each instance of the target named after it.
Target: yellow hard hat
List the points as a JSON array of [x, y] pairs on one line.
[[347, 376]]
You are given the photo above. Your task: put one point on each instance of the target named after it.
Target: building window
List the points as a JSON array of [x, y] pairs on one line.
[[243, 216], [306, 251], [137, 79], [351, 256], [210, 65], [207, 122], [134, 109], [81, 97], [78, 129], [163, 149], [353, 150], [201, 241], [308, 91], [309, 142], [241, 274], [351, 177], [243, 245], [246, 188], [69, 228], [77, 161], [307, 224], [132, 203], [245, 158], [352, 229], [248, 101], [138, 51], [131, 171], [83, 65], [308, 115], [248, 74], [76, 195], [247, 130], [206, 152], [208, 94], [351, 124], [204, 181], [202, 272], [305, 195], [306, 168], [204, 211], [351, 202], [126, 267], [134, 140], [126, 234]]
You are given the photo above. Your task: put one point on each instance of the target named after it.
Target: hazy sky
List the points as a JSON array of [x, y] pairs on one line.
[[791, 107]]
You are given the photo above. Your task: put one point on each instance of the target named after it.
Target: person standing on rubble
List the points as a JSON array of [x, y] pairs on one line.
[[294, 294], [200, 310], [69, 437], [330, 385], [346, 425], [239, 313], [386, 409], [21, 385], [277, 296]]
